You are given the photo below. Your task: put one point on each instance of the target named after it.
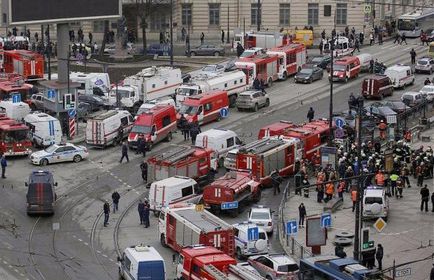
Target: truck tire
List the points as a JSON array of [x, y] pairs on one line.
[[163, 241], [255, 109], [284, 76], [270, 82]]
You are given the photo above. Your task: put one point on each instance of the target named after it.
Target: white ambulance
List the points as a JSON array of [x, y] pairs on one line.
[[44, 130], [400, 75], [16, 111]]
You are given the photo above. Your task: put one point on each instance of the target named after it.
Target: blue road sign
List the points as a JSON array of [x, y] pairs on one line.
[[224, 112], [51, 94], [72, 113], [326, 220], [16, 98], [229, 205], [253, 233], [339, 122], [291, 227]]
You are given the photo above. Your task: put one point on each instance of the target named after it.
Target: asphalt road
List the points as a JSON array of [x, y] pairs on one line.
[[81, 248]]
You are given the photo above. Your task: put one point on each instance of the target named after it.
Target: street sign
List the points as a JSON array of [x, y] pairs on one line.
[[326, 220], [51, 94], [224, 112], [340, 122], [291, 227], [403, 272], [367, 9], [72, 113], [253, 233], [199, 207], [391, 119], [229, 205], [380, 224], [339, 133], [56, 226], [16, 98]]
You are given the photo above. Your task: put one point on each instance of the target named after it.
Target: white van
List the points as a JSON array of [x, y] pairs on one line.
[[412, 98], [375, 203], [109, 127], [364, 59], [16, 111], [44, 130], [141, 262], [400, 75], [220, 140], [92, 83], [245, 247], [172, 190], [230, 159]]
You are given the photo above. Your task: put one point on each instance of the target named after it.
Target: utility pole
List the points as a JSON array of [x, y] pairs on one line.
[[171, 33], [331, 46], [258, 10], [358, 222], [244, 32], [227, 33], [49, 52]]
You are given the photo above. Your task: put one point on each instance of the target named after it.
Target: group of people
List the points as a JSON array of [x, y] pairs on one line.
[[189, 130]]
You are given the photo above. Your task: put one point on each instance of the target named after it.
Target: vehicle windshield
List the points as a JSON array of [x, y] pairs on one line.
[[15, 135], [422, 62], [142, 129], [372, 200], [260, 216], [287, 268], [338, 67], [209, 68], [247, 53], [51, 149], [187, 91], [244, 97], [306, 71], [317, 59], [406, 24], [122, 93], [189, 110], [427, 89], [144, 109]]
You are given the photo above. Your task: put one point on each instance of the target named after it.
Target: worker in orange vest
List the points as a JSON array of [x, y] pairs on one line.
[[382, 127], [379, 178], [341, 188], [330, 189], [407, 136], [354, 198]]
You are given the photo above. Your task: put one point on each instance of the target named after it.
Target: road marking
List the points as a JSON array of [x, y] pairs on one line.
[[105, 256], [99, 252], [22, 275], [111, 260], [80, 240], [85, 243], [5, 262]]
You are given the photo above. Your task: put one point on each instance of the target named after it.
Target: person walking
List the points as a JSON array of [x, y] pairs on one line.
[[223, 36], [354, 198], [144, 169], [432, 201], [379, 256], [431, 275], [124, 152], [183, 32], [310, 114], [115, 198], [146, 214], [106, 209], [397, 37], [141, 210], [141, 146], [424, 193], [382, 126], [371, 39], [301, 214], [4, 164], [240, 49], [419, 175], [183, 124], [90, 38], [202, 38], [403, 39], [413, 56], [330, 189], [393, 183], [194, 131], [341, 189]]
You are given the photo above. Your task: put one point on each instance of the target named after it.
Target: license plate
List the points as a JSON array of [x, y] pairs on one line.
[[259, 224]]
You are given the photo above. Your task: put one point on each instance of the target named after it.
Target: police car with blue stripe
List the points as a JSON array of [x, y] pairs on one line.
[[59, 153]]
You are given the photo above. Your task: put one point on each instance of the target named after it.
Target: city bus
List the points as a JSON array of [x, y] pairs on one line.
[[411, 24], [334, 268]]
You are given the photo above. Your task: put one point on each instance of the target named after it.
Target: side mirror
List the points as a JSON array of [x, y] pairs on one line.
[[25, 184], [55, 184]]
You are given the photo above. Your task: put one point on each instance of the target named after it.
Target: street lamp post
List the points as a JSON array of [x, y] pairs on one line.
[[227, 33], [258, 10], [171, 33], [331, 45]]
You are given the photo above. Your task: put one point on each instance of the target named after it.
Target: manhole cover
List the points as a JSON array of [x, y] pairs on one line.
[[345, 234], [343, 241]]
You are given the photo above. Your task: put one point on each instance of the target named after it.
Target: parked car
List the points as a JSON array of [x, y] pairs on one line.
[[252, 100], [83, 110], [59, 153], [36, 102], [320, 61], [159, 49], [207, 50], [424, 64], [412, 98], [381, 112], [397, 106], [213, 69], [252, 52], [274, 266], [245, 247], [428, 92], [308, 75], [96, 103], [262, 217]]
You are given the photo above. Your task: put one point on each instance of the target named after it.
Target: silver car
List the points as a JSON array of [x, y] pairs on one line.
[[252, 100], [425, 64], [208, 50]]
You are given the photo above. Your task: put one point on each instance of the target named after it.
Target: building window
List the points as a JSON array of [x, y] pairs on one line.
[[214, 14], [186, 14], [158, 22], [312, 14], [254, 14], [341, 14], [284, 14], [98, 26]]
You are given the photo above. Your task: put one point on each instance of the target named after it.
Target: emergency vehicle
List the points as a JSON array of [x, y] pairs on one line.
[[181, 226], [233, 82], [341, 46], [30, 65], [14, 85], [90, 82], [15, 110], [264, 40], [263, 157], [44, 130], [400, 75], [274, 129], [155, 125], [346, 68], [291, 58], [141, 262], [377, 86], [206, 262], [233, 186], [194, 162], [204, 108], [264, 67], [149, 84], [108, 128], [14, 139]]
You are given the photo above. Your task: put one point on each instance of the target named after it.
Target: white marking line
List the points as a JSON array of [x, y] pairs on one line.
[[125, 184], [80, 240], [10, 266], [137, 192], [111, 260], [5, 262], [85, 243], [74, 236], [22, 275], [16, 270], [105, 256], [99, 252]]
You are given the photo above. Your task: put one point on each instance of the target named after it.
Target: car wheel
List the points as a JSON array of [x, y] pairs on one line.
[[310, 80], [239, 109], [216, 54], [268, 277], [169, 137], [285, 76], [255, 108], [43, 162], [77, 158], [192, 53], [163, 241], [267, 102]]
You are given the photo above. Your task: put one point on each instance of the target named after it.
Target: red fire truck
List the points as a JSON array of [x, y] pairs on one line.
[[291, 58], [263, 157], [194, 162], [265, 67], [14, 139], [234, 187], [264, 40], [181, 226], [14, 85], [28, 64]]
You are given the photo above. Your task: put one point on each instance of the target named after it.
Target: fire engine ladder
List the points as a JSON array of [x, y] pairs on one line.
[[244, 273], [176, 154], [268, 146], [214, 272]]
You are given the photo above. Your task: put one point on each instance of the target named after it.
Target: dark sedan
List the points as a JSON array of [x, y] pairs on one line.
[[397, 105], [320, 61], [95, 102], [380, 112], [308, 75], [207, 50]]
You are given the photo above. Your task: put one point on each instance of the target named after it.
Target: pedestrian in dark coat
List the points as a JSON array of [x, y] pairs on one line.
[[431, 275], [124, 152], [144, 169], [106, 209], [115, 198], [141, 210], [424, 193], [379, 256], [432, 201], [90, 37], [4, 164], [194, 131], [413, 56], [202, 38], [223, 36], [146, 214], [256, 84], [403, 39], [183, 124], [141, 146], [240, 49], [310, 114], [301, 214], [397, 37]]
